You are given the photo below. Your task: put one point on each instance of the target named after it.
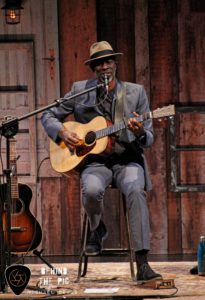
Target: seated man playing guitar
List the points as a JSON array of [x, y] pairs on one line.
[[123, 163]]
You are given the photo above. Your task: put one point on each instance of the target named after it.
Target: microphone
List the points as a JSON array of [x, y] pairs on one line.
[[106, 82]]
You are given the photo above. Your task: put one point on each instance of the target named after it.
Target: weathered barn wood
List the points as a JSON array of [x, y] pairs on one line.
[[77, 27], [191, 70], [29, 81], [163, 46]]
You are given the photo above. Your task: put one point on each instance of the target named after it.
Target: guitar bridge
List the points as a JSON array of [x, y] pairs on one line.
[[18, 229]]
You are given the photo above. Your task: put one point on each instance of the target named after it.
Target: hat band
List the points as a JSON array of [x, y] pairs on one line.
[[101, 53]]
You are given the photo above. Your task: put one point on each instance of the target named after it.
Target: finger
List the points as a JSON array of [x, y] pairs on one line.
[[69, 146], [72, 139], [134, 123], [135, 114]]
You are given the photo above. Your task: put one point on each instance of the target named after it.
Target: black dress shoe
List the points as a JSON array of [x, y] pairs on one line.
[[95, 240], [146, 274]]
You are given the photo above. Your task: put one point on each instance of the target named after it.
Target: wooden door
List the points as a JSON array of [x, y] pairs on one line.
[[17, 99]]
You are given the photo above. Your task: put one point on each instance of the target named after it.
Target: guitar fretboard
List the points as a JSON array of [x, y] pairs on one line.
[[13, 167], [14, 181], [121, 125], [110, 130]]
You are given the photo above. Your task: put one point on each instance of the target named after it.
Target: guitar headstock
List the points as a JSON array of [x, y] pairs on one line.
[[165, 111]]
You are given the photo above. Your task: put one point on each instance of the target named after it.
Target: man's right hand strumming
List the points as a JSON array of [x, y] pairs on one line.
[[70, 139]]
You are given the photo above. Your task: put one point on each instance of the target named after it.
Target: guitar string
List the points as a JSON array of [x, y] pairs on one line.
[[2, 192]]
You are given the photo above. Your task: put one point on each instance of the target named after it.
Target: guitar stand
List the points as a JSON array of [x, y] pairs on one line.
[[5, 208], [38, 254]]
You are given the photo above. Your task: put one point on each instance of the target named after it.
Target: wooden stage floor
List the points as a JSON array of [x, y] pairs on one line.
[[111, 281]]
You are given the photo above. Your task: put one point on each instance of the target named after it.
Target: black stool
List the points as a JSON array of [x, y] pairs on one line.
[[83, 260]]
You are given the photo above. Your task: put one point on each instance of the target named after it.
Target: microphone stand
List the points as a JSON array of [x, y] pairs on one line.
[[8, 129]]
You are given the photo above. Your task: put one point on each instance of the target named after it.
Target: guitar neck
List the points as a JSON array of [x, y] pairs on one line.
[[14, 181], [121, 125], [13, 167]]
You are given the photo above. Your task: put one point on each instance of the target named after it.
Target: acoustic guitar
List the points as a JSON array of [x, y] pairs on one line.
[[94, 139], [25, 231]]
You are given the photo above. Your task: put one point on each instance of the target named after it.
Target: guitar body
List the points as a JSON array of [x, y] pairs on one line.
[[63, 160], [26, 233], [97, 137]]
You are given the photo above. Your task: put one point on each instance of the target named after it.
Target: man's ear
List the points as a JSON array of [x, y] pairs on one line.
[[92, 67]]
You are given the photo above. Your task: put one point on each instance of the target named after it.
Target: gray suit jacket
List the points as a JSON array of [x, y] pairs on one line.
[[83, 108]]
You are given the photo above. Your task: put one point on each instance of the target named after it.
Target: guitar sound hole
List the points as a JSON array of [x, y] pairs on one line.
[[90, 137], [17, 206]]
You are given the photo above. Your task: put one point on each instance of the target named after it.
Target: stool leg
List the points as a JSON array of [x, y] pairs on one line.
[[126, 215], [83, 256]]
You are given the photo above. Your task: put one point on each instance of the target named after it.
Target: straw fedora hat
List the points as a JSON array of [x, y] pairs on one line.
[[100, 50]]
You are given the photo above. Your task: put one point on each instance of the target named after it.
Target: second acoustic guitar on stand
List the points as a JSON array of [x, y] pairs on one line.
[[25, 231]]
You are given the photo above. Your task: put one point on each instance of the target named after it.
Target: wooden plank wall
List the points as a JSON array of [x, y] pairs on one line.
[[156, 37], [163, 64], [77, 30], [176, 74], [38, 28], [163, 46], [191, 73]]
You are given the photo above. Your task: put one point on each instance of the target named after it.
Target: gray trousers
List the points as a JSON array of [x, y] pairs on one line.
[[95, 178]]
